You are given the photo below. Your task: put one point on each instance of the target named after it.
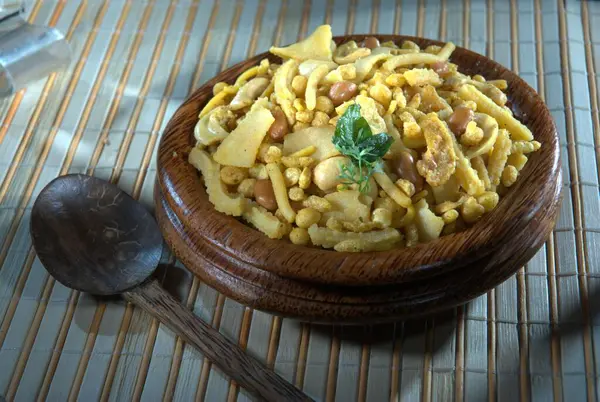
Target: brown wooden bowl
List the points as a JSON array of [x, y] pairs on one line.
[[531, 206], [314, 302]]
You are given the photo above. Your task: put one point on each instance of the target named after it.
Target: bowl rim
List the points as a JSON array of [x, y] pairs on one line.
[[182, 187], [305, 301]]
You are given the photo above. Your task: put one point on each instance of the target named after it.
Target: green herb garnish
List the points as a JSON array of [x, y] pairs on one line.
[[353, 137]]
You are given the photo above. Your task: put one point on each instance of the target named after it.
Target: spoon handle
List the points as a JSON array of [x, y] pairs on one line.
[[229, 357]]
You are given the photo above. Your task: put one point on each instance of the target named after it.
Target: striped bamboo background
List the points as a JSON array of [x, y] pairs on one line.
[[532, 338]]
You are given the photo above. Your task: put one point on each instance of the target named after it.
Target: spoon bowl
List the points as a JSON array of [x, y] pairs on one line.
[[93, 237]]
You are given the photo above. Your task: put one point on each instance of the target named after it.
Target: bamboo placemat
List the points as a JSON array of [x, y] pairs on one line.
[[532, 338]]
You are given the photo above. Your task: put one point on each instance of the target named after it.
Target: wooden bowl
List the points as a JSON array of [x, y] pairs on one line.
[[314, 302], [527, 212]]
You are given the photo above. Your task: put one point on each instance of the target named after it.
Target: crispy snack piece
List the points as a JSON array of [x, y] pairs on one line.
[[219, 99], [404, 60], [308, 66], [428, 224], [418, 77], [518, 131], [283, 81], [281, 193], [311, 87], [439, 161], [498, 157], [209, 129], [467, 177], [240, 147], [317, 46], [392, 190], [230, 204], [249, 92], [377, 240], [265, 221]]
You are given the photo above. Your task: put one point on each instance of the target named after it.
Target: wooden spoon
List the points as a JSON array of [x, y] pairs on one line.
[[93, 237]]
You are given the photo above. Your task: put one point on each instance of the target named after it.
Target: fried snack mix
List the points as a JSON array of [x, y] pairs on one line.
[[359, 148]]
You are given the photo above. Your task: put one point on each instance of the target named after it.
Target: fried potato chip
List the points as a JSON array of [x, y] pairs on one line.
[[392, 190], [365, 65], [446, 51], [240, 147], [308, 66], [319, 137], [482, 172], [249, 92], [448, 191], [252, 72], [467, 177], [398, 145], [349, 52], [431, 101], [317, 46], [368, 110], [352, 204], [518, 160]]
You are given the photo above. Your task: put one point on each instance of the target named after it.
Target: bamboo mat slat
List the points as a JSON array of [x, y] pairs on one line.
[[534, 337]]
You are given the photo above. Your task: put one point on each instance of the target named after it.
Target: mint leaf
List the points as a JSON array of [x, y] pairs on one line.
[[344, 129], [374, 147], [354, 138], [362, 130]]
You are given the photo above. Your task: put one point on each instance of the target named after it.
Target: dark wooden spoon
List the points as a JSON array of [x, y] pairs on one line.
[[93, 237]]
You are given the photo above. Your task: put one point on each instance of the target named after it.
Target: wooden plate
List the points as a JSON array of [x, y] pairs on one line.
[[489, 239]]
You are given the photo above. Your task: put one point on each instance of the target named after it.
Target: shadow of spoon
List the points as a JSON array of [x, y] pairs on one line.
[[93, 237]]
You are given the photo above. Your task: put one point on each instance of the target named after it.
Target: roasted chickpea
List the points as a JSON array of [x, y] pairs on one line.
[[246, 187], [299, 236], [291, 176], [296, 194], [232, 175], [307, 217], [299, 84], [264, 194], [324, 104]]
